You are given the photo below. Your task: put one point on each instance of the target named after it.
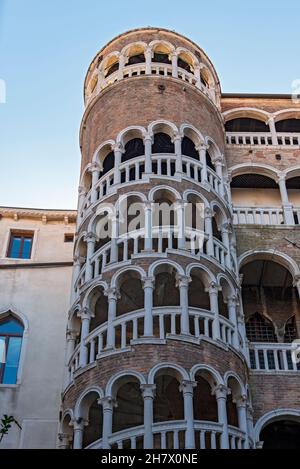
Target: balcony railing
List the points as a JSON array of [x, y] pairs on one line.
[[262, 215], [163, 166], [262, 138], [273, 357], [171, 435], [166, 322]]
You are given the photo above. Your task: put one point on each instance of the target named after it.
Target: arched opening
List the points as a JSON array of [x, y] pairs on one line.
[[188, 148], [290, 331], [67, 432], [168, 402], [87, 181], [103, 230], [246, 124], [99, 306], [256, 190], [268, 295], [232, 397], [94, 417], [131, 292], [129, 411], [133, 148], [281, 434], [194, 222], [162, 143], [108, 163], [11, 336], [164, 221], [198, 296], [288, 126], [135, 54], [166, 292], [111, 66], [205, 403], [131, 221], [184, 61], [161, 54], [217, 221], [223, 296], [209, 162], [293, 189]]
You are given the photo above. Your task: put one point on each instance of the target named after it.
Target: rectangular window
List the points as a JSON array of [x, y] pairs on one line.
[[20, 245], [69, 238]]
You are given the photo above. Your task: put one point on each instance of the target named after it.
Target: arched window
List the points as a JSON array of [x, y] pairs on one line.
[[11, 334], [108, 163], [188, 148], [260, 329], [136, 59], [290, 332], [162, 144], [246, 124], [209, 162], [133, 149]]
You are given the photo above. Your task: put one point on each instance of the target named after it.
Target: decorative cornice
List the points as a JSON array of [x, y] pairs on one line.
[[17, 213]]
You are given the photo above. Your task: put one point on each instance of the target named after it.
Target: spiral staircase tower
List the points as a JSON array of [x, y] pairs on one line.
[[156, 348]]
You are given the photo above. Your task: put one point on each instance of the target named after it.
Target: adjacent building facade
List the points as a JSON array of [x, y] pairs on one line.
[[184, 317]]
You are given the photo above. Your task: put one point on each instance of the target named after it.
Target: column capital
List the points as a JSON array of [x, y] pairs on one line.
[[221, 391], [213, 288], [148, 137], [177, 137], [118, 147], [108, 403], [148, 390], [79, 424], [182, 280], [281, 177], [71, 334], [90, 237], [147, 204], [112, 293], [241, 401], [226, 227], [148, 282], [208, 212], [232, 300], [85, 313], [269, 120], [95, 166], [218, 160], [201, 146], [187, 387]]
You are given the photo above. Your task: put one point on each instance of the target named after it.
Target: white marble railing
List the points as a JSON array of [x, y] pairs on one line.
[[159, 69], [258, 215], [262, 138], [166, 324], [171, 435], [163, 165], [270, 357]]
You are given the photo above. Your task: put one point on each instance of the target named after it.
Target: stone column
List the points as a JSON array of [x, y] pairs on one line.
[[225, 229], [183, 284], [75, 275], [221, 393], [148, 286], [208, 214], [213, 291], [122, 62], [108, 404], [218, 162], [71, 339], [202, 149], [297, 316], [148, 60], [95, 168], [178, 165], [241, 404], [118, 151], [78, 433], [148, 391], [148, 226], [271, 124], [250, 425], [112, 295], [174, 59], [148, 140], [85, 316], [90, 239], [81, 196], [114, 238], [286, 205], [231, 303], [187, 389], [180, 211], [197, 73]]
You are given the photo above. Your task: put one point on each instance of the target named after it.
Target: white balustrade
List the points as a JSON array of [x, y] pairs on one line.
[[262, 138], [236, 438], [258, 215], [270, 357], [220, 251]]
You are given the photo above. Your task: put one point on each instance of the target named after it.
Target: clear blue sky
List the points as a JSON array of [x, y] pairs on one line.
[[47, 45]]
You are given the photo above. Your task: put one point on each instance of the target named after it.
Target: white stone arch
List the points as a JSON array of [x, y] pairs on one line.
[[107, 61], [169, 48], [164, 126], [209, 277], [101, 209], [76, 308], [137, 44], [164, 188], [271, 255], [89, 293], [160, 262], [249, 112], [120, 272], [222, 212], [23, 318], [237, 378], [133, 131], [77, 241], [102, 151], [85, 173], [292, 172], [213, 149], [193, 133], [231, 288], [79, 410], [209, 77], [125, 196], [67, 413], [185, 52], [290, 113], [121, 376], [254, 168], [188, 192], [207, 369], [273, 416], [182, 373]]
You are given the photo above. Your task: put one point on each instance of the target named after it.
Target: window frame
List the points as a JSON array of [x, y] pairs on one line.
[[23, 234], [7, 337]]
